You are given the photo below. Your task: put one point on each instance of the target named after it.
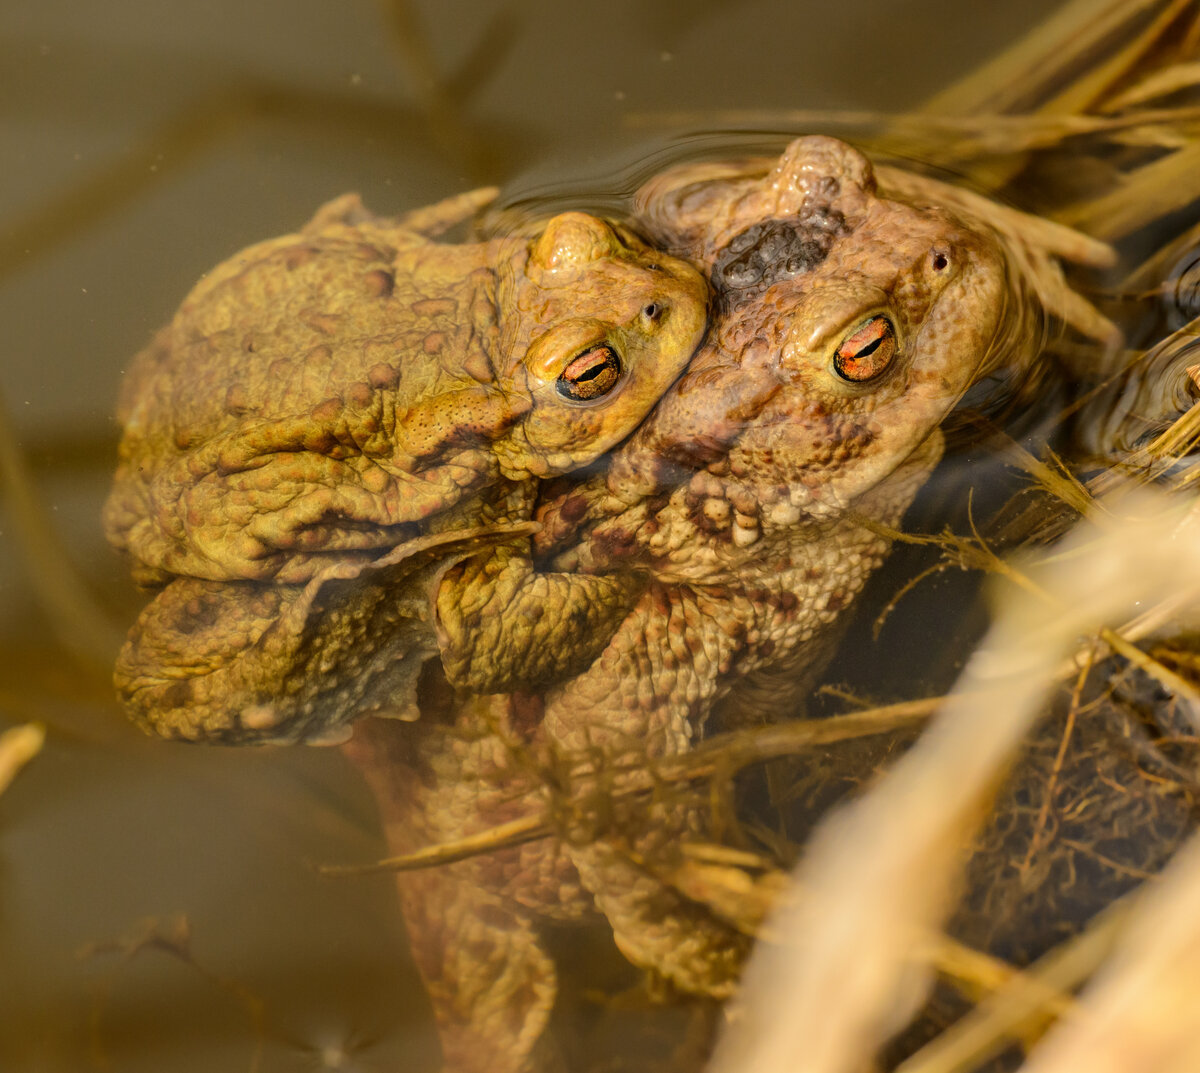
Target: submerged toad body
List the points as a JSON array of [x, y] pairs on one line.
[[357, 400], [846, 325]]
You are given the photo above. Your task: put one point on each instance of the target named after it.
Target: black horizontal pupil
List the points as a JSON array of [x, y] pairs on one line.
[[591, 375], [867, 350], [593, 372]]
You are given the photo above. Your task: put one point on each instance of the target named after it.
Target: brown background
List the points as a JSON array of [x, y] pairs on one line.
[[142, 141]]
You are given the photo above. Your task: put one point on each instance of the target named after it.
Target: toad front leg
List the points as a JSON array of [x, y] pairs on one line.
[[248, 661], [504, 626]]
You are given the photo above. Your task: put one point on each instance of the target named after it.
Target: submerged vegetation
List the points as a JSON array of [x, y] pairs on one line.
[[1015, 853]]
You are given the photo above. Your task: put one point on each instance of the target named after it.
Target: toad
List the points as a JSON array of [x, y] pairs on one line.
[[754, 498], [359, 400], [747, 511]]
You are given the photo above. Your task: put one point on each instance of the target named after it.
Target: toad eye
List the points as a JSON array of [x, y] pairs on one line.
[[867, 351], [592, 374]]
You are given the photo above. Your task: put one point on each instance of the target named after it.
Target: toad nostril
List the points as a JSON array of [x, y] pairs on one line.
[[652, 312], [940, 262]]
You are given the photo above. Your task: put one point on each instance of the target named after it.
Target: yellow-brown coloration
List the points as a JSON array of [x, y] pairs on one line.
[[867, 352], [323, 398], [748, 498]]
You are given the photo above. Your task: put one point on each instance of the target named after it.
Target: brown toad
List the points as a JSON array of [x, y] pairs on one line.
[[359, 399], [846, 326]]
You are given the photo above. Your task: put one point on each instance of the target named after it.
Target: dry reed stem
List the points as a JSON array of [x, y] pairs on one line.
[[19, 745], [743, 889], [1030, 70], [1141, 1010], [1091, 88], [882, 872], [1160, 83], [1023, 1003], [722, 754], [1143, 196]]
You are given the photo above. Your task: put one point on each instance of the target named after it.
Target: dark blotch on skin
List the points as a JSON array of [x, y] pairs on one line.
[[178, 695], [772, 250], [526, 712]]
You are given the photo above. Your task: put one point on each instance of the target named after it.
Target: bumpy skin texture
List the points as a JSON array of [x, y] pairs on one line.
[[468, 765], [751, 498], [326, 398]]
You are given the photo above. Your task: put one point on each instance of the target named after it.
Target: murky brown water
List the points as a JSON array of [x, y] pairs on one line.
[[144, 143]]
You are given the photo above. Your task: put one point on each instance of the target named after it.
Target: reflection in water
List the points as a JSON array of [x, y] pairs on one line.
[[1162, 385], [1182, 290]]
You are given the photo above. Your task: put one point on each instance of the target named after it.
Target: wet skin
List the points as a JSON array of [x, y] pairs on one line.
[[845, 327], [334, 421]]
